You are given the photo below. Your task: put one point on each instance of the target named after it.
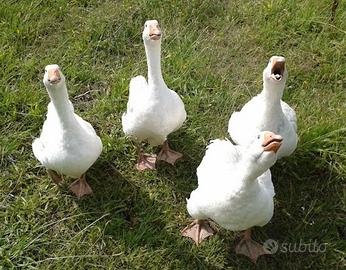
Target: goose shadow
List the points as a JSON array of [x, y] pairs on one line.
[[182, 176], [127, 214]]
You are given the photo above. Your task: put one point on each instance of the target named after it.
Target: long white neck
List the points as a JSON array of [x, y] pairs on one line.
[[59, 97], [153, 53], [272, 94], [248, 174]]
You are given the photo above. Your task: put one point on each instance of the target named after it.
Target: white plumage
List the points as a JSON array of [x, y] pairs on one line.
[[267, 111], [153, 110], [234, 186], [234, 190], [68, 150], [68, 144]]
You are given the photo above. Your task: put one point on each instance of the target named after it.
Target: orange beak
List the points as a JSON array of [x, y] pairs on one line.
[[54, 76], [272, 142], [278, 68], [154, 32]]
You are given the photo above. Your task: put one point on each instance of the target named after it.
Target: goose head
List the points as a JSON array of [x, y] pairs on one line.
[[275, 73], [53, 77], [261, 153], [152, 33]]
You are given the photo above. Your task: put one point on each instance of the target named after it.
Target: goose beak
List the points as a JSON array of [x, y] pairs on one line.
[[54, 76], [272, 142], [155, 33], [277, 68]]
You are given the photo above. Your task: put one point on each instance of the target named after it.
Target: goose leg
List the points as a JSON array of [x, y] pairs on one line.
[[145, 161], [198, 230], [80, 187], [168, 155], [57, 179], [249, 247]]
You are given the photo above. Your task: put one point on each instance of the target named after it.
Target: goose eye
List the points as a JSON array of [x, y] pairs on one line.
[[258, 136], [145, 25]]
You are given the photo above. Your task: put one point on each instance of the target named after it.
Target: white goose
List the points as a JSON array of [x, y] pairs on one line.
[[267, 111], [235, 190], [67, 145], [153, 110]]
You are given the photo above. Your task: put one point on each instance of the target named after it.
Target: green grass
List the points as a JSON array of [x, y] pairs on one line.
[[213, 56]]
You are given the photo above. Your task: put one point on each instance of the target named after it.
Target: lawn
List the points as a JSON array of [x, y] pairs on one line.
[[213, 56]]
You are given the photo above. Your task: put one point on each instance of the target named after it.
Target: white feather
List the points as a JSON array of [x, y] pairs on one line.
[[266, 111], [153, 110], [224, 195], [67, 144]]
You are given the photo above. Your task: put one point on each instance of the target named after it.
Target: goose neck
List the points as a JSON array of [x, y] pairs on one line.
[[153, 53], [250, 172], [62, 106], [273, 92]]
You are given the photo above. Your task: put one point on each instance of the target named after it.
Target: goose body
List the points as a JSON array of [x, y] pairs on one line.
[[153, 110], [67, 150], [233, 190], [224, 196], [267, 111], [68, 145], [234, 186]]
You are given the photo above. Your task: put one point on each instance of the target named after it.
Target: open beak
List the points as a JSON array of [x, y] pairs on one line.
[[272, 142], [278, 68], [54, 76], [155, 33]]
